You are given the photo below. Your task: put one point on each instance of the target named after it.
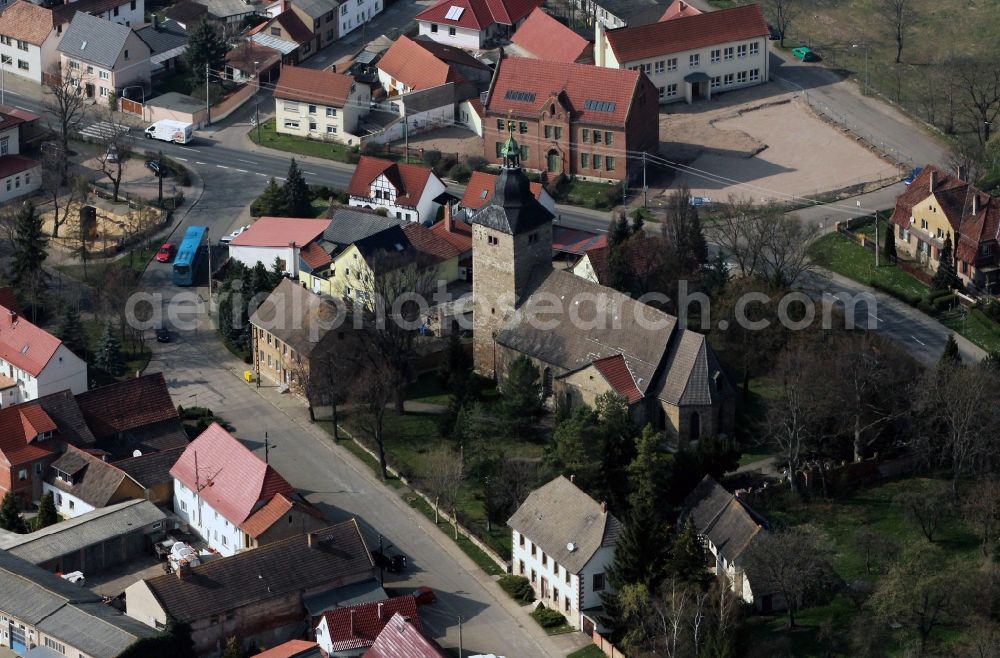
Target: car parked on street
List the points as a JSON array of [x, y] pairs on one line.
[[165, 253], [226, 239], [154, 166], [805, 53], [424, 595], [162, 335]]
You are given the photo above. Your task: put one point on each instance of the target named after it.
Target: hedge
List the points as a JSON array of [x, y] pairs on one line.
[[548, 618], [518, 588]]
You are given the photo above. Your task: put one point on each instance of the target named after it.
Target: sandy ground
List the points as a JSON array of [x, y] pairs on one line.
[[450, 141], [765, 146]]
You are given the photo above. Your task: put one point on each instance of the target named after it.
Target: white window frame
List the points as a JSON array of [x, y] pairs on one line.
[[671, 63], [694, 61]]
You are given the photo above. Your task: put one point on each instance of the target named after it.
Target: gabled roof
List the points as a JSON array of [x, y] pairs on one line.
[[480, 187], [722, 518], [576, 241], [127, 405], [558, 515], [13, 164], [95, 40], [293, 649], [314, 86], [25, 345], [349, 225], [459, 235], [393, 240], [692, 375], [162, 38], [95, 482], [449, 54], [357, 626], [428, 242], [619, 377], [243, 56], [545, 38], [315, 256], [416, 66], [280, 232], [687, 33], [28, 22], [512, 208], [337, 555], [680, 9], [187, 12], [408, 179], [298, 31], [478, 14], [17, 433], [275, 510], [63, 409], [644, 257], [593, 94], [296, 316], [401, 638], [64, 12], [230, 478], [316, 8], [153, 468]]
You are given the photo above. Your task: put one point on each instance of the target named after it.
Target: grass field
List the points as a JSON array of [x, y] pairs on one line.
[[837, 253], [591, 651]]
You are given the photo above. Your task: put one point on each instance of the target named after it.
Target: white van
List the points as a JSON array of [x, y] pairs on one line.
[[171, 131]]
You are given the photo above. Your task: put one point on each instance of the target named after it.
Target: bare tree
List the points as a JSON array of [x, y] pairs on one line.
[[65, 106], [741, 232], [928, 508], [899, 15], [374, 389], [875, 547], [981, 509], [979, 79], [116, 148], [65, 199], [786, 248], [445, 482], [782, 14], [328, 380]]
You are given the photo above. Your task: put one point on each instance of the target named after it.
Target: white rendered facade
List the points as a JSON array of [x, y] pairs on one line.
[[383, 195], [323, 122], [219, 532], [452, 35], [352, 14], [64, 370]]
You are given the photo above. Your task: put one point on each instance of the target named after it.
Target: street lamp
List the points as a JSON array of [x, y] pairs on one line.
[[256, 99], [865, 46]]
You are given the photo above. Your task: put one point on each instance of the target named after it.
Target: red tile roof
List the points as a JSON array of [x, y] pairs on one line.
[[127, 405], [408, 179], [546, 38], [297, 31], [230, 478], [480, 190], [290, 649], [415, 66], [687, 33], [402, 639], [23, 344], [273, 511], [578, 83], [280, 231], [315, 256], [19, 425], [643, 253], [679, 9], [314, 86], [460, 235], [427, 241], [357, 626], [479, 14], [616, 371], [509, 12], [15, 164], [450, 54], [28, 22], [576, 241]]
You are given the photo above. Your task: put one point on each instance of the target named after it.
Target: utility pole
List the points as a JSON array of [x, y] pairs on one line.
[[460, 652], [208, 246], [876, 240], [159, 178], [208, 106], [381, 562], [644, 188], [406, 136], [268, 446], [256, 99]]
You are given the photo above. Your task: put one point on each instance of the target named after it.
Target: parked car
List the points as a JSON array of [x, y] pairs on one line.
[[226, 239], [162, 335], [165, 253], [424, 595], [774, 34], [805, 53], [913, 175], [154, 166], [112, 154], [699, 201]]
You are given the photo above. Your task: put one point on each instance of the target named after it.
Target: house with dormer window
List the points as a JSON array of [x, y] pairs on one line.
[[105, 58], [474, 24], [34, 363], [408, 191], [81, 482]]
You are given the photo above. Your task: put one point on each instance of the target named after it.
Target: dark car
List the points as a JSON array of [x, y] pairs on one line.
[[154, 166], [424, 595], [913, 175], [773, 33], [162, 335]]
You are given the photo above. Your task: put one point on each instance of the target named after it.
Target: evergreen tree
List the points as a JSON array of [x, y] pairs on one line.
[[620, 274], [889, 245], [618, 231], [521, 388], [10, 515], [277, 273], [29, 252], [649, 473], [233, 648], [641, 558], [637, 222], [46, 512], [571, 451], [455, 369], [696, 238], [108, 355], [298, 201], [716, 276], [205, 47], [945, 278], [71, 332], [688, 556], [617, 446], [271, 202], [950, 356]]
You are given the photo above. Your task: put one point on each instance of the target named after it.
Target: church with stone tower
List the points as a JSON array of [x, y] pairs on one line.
[[586, 339]]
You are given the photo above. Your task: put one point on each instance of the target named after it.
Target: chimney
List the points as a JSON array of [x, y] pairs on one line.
[[156, 22], [604, 507], [975, 204], [311, 540], [352, 622], [13, 317], [449, 221], [379, 610], [682, 5], [599, 43], [183, 570], [572, 477], [930, 185]]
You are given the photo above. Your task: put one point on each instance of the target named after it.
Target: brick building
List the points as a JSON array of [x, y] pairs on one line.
[[573, 118]]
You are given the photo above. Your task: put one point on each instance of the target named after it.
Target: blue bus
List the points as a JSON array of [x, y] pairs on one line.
[[189, 255]]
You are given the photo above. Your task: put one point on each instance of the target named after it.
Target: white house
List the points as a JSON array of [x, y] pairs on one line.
[[473, 24], [407, 191], [348, 632], [353, 15], [563, 541], [29, 37], [222, 491], [276, 237], [319, 104], [80, 482], [105, 57], [34, 363], [691, 56]]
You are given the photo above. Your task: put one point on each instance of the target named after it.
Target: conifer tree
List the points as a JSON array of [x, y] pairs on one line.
[[29, 253], [271, 202], [298, 202], [945, 278], [10, 515], [71, 331], [108, 356], [205, 47], [889, 245], [46, 512], [950, 356], [688, 558]]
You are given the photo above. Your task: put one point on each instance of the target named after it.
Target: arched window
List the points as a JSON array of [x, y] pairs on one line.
[[546, 383], [694, 426]]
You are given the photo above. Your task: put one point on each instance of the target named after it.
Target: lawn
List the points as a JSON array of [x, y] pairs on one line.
[[427, 389], [270, 138], [975, 326], [837, 253], [136, 357], [590, 651]]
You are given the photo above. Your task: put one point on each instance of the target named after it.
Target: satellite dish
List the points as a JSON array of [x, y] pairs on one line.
[[571, 547], [137, 453]]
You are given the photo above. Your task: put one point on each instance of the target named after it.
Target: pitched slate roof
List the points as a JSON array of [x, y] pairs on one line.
[[522, 87], [25, 345], [187, 12], [545, 38], [348, 225], [166, 36], [316, 8], [280, 231], [95, 40], [408, 179], [692, 375], [558, 514], [357, 626], [480, 188], [314, 86], [393, 240], [428, 242], [412, 63], [18, 429], [230, 478], [512, 208], [27, 21], [722, 518], [63, 409], [64, 12], [296, 316], [128, 405], [153, 468], [338, 554], [687, 33], [479, 14], [401, 638], [95, 482]]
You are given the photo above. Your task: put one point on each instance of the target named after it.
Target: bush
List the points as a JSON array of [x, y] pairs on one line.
[[547, 618], [343, 198], [372, 148], [382, 212], [991, 310], [935, 294], [460, 173], [925, 307], [943, 303], [518, 588], [432, 157], [477, 162], [612, 196], [352, 157], [558, 187], [445, 164]]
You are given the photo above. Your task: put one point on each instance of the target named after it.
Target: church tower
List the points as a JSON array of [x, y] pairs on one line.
[[511, 247]]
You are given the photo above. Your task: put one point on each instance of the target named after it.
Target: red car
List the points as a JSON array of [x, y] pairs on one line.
[[165, 253], [424, 595]]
